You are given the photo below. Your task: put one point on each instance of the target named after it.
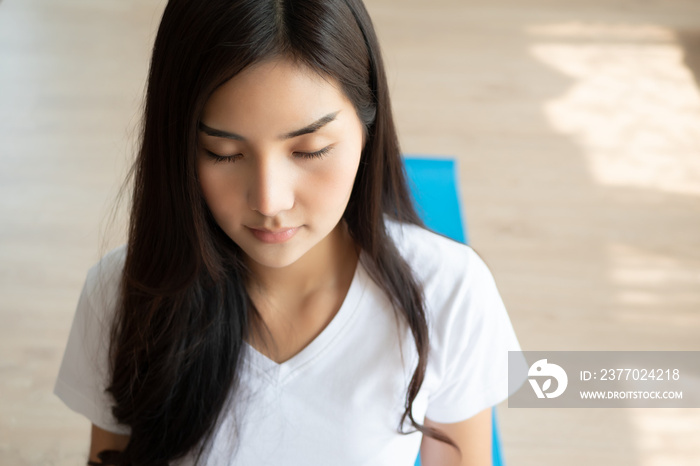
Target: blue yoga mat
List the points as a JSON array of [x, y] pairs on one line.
[[434, 188]]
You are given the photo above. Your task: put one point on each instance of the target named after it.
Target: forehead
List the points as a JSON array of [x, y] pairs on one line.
[[272, 97]]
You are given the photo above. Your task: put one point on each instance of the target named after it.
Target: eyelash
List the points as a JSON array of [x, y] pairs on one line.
[[304, 155]]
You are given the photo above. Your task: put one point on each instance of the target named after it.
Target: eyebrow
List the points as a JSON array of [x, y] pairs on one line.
[[312, 128]]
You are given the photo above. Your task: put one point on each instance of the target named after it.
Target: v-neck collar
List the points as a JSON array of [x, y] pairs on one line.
[[280, 373]]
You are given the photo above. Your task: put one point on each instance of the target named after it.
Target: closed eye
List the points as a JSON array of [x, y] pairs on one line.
[[305, 155], [312, 155], [223, 158]]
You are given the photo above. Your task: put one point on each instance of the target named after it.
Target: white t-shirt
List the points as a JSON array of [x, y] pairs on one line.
[[338, 401]]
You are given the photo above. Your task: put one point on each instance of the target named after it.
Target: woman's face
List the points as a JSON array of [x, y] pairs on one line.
[[278, 151]]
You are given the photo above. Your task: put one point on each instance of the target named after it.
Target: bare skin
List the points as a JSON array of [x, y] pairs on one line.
[[473, 436], [104, 440], [295, 316]]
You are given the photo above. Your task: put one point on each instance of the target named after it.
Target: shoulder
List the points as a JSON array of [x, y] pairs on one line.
[[470, 330], [110, 264], [84, 372], [433, 257], [103, 279], [459, 290]]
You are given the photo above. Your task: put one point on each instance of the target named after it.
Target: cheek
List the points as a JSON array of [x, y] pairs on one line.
[[218, 190], [333, 185]]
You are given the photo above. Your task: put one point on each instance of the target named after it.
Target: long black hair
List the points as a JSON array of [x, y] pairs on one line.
[[177, 340]]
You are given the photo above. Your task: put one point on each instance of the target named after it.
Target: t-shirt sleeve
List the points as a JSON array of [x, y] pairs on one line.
[[83, 375], [473, 335]]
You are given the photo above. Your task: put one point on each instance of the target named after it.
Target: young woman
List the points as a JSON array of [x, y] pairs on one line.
[[278, 301]]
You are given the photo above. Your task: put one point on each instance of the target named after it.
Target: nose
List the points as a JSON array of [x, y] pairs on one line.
[[271, 188]]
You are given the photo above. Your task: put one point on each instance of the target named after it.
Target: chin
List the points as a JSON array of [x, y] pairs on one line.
[[274, 260]]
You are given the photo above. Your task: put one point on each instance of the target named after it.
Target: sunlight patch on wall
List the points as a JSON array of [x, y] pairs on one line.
[[633, 106]]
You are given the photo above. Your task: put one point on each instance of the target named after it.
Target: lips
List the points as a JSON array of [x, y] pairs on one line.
[[273, 236]]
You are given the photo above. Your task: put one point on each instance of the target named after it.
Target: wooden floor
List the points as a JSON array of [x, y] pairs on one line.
[[577, 128]]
